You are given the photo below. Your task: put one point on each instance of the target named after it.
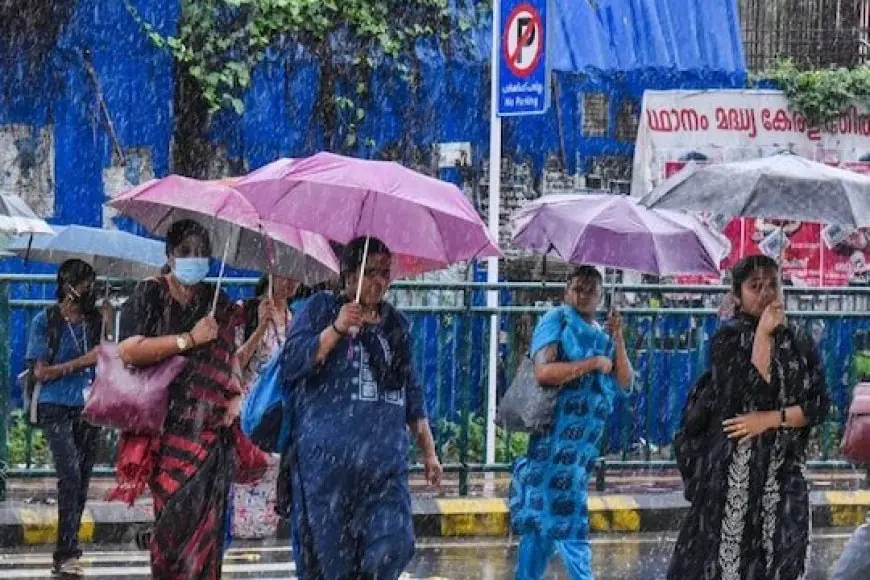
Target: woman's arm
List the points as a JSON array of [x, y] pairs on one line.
[[758, 422], [550, 373], [311, 340], [246, 352], [141, 351], [809, 412], [423, 436], [426, 444], [624, 371], [761, 353], [43, 372]]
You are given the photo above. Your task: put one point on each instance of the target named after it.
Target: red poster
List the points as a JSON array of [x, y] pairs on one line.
[[845, 255], [796, 243]]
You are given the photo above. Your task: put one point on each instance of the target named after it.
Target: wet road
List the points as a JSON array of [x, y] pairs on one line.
[[631, 557]]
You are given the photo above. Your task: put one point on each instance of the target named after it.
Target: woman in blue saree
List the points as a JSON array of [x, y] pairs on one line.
[[549, 487]]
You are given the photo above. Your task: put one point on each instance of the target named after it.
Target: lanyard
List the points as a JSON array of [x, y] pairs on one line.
[[83, 346]]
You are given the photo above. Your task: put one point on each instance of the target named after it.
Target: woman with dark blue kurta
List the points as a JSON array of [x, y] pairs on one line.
[[354, 397], [548, 496]]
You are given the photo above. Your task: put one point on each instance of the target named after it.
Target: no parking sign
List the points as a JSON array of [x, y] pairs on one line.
[[523, 76]]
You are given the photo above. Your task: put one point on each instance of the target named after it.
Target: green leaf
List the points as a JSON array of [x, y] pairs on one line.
[[238, 105], [220, 41]]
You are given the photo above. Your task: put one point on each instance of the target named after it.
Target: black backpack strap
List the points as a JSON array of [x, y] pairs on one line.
[[54, 330]]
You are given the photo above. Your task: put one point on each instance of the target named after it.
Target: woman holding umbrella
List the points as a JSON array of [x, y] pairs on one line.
[[193, 456], [750, 514], [267, 320], [355, 397], [548, 488]]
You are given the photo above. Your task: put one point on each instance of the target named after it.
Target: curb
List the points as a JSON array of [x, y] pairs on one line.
[[114, 523]]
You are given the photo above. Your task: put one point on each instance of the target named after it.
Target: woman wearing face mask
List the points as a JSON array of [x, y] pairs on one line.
[[60, 352], [191, 464], [750, 515]]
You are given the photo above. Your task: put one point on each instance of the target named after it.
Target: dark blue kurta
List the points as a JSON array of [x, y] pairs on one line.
[[351, 503]]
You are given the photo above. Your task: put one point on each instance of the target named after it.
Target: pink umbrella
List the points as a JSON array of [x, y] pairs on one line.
[[427, 223], [240, 237]]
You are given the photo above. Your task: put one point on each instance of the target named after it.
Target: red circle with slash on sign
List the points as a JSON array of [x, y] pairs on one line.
[[523, 40]]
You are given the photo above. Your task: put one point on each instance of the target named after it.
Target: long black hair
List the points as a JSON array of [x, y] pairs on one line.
[[70, 274], [748, 266], [585, 272], [354, 252], [262, 288], [183, 229]]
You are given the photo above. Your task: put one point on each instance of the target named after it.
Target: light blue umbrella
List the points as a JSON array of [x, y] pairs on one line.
[[111, 252]]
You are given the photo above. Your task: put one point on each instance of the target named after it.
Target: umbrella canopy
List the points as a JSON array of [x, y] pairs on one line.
[[233, 224], [110, 252], [616, 232], [16, 217], [778, 187], [427, 223]]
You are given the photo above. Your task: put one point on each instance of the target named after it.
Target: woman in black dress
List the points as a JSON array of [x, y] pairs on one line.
[[750, 515]]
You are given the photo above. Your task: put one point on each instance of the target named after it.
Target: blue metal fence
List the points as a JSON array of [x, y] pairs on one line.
[[668, 346]]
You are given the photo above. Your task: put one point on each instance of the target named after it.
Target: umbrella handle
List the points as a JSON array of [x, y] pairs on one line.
[[362, 270], [217, 289]]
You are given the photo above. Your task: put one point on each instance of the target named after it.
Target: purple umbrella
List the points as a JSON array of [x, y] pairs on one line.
[[616, 232]]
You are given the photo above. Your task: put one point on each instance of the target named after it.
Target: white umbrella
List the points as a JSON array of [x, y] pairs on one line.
[[16, 217], [111, 252], [783, 186]]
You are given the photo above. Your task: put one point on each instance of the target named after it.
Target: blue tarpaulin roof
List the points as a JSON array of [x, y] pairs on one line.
[[688, 35], [629, 36]]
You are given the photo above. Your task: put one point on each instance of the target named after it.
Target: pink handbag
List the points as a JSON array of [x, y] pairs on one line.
[[128, 398], [856, 438]]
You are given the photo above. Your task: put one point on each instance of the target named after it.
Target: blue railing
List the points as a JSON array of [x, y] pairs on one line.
[[668, 331]]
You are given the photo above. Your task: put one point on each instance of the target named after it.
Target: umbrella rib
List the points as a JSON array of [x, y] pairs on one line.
[[598, 211], [359, 218], [441, 235]]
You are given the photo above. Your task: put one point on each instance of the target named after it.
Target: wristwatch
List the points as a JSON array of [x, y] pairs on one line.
[[183, 342], [783, 419]]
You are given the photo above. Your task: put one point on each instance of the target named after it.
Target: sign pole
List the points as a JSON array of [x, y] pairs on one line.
[[492, 276]]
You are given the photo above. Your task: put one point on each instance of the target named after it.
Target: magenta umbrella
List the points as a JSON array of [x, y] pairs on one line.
[[427, 223], [241, 238], [614, 231]]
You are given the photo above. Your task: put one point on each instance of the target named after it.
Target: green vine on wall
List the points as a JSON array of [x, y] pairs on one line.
[[821, 95], [219, 44]]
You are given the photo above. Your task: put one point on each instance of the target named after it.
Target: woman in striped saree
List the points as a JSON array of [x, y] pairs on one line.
[[189, 466]]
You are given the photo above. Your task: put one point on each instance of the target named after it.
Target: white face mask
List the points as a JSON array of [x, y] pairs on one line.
[[190, 271]]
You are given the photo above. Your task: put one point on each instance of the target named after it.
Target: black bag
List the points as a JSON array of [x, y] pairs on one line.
[[690, 440], [527, 406]]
